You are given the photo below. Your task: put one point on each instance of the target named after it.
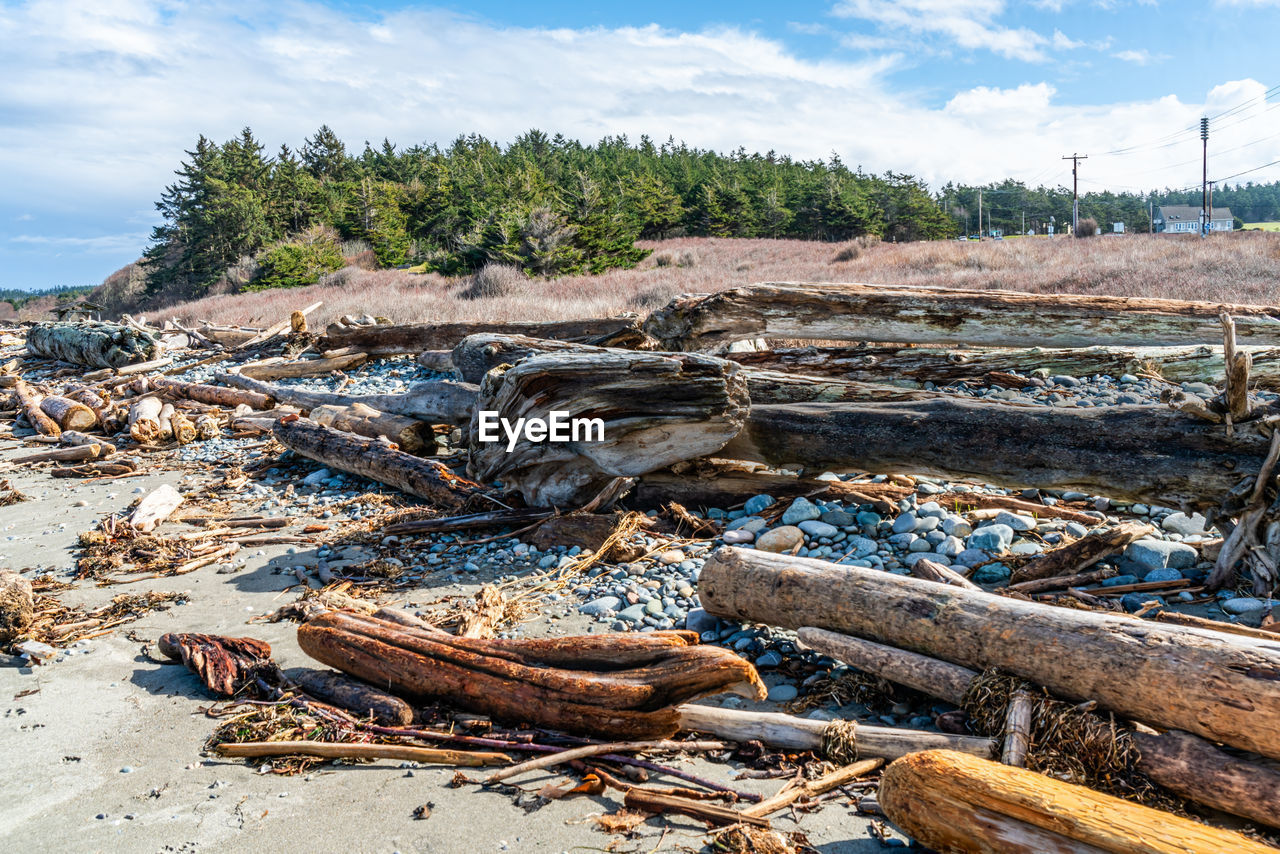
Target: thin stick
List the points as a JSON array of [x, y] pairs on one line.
[[332, 750], [598, 749], [657, 802], [813, 788]]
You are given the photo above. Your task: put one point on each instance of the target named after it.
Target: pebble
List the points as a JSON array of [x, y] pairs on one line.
[[1242, 605], [818, 529], [905, 524], [772, 658], [992, 573], [839, 518], [604, 604], [1158, 554], [1181, 523], [738, 537], [780, 539], [783, 693], [1015, 521], [670, 556], [757, 503], [993, 538], [801, 510]]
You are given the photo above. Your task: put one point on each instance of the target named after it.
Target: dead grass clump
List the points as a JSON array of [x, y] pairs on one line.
[[493, 281], [1087, 227], [850, 252]]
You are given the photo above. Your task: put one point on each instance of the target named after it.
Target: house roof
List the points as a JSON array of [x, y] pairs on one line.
[[1187, 213]]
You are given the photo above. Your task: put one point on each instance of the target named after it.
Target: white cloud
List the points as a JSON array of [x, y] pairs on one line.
[[968, 23], [105, 244], [1138, 57], [1062, 42]]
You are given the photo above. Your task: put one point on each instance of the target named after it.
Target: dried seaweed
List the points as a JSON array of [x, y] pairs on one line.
[[281, 721], [851, 686], [59, 624], [10, 494]]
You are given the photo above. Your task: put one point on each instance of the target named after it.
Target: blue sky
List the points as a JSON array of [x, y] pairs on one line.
[[98, 100]]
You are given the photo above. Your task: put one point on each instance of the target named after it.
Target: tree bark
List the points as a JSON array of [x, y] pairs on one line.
[[411, 435], [1219, 686], [1196, 770], [656, 410], [792, 733], [356, 697], [416, 337], [69, 414], [29, 401], [436, 402], [1076, 557], [376, 460], [1142, 453], [943, 366], [942, 316], [97, 345], [957, 803]]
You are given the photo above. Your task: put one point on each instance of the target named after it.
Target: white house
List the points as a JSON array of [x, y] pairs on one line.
[[1185, 219]]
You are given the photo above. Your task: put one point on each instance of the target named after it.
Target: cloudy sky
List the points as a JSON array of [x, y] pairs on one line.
[[99, 98]]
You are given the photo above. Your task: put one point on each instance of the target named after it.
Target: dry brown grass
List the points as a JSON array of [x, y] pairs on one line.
[[1242, 267]]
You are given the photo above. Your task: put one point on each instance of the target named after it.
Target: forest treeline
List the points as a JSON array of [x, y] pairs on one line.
[[549, 205]]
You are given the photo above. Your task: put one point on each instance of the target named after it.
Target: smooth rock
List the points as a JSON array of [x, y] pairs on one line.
[[757, 503], [733, 538], [994, 538], [1242, 605], [839, 518], [816, 528], [780, 539], [1158, 554], [905, 524], [772, 658], [992, 573], [596, 607], [801, 510], [698, 620], [783, 693], [1181, 523], [1016, 521]]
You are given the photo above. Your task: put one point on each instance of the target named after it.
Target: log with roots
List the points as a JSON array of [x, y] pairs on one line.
[[97, 345], [436, 402], [650, 410], [386, 340], [69, 414], [943, 316], [29, 401], [943, 366], [226, 665], [953, 802], [1223, 687], [410, 434], [377, 460], [558, 683]]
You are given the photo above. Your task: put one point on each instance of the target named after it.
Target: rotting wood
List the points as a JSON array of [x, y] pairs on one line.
[[436, 401], [347, 750], [655, 410], [794, 733], [385, 340], [945, 316], [1212, 684], [957, 803], [224, 664], [374, 459], [1074, 558]]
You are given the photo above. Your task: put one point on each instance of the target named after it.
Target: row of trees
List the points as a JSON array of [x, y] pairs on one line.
[[1014, 208], [547, 204]]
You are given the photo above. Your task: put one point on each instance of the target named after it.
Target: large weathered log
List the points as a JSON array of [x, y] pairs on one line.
[[942, 366], [1223, 687], [29, 400], [98, 345], [371, 458], [1196, 770], [640, 412], [69, 414], [942, 316], [1143, 453], [203, 393], [308, 368], [1076, 557], [410, 434], [416, 337], [793, 733], [953, 802], [436, 402]]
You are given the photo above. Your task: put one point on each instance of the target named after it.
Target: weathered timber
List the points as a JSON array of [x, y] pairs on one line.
[[944, 316], [29, 401], [919, 672], [1062, 582], [156, 506], [75, 453], [224, 664], [371, 458], [1075, 558], [410, 434], [1219, 686], [953, 802], [97, 345], [307, 368], [341, 750], [203, 393], [794, 733], [184, 430], [69, 414], [74, 437], [650, 411], [725, 487], [357, 697], [942, 366], [436, 402], [415, 337], [144, 420], [1142, 453], [1199, 771], [1017, 728]]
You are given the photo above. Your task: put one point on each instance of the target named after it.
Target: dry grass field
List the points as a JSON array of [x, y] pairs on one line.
[[1241, 267]]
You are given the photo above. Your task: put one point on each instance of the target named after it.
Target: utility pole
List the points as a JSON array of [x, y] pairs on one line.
[[979, 213], [1075, 190], [1204, 180], [1209, 220]]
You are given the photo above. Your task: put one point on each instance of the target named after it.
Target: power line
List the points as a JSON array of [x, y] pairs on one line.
[[1246, 172]]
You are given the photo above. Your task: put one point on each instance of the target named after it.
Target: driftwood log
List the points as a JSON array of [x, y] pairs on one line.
[[29, 401], [306, 368], [144, 421], [216, 395], [436, 402], [410, 434], [944, 316], [375, 459], [97, 345], [1223, 687], [654, 409], [1075, 558], [943, 366], [355, 696], [953, 802], [225, 664], [68, 414], [385, 340], [574, 684], [155, 507]]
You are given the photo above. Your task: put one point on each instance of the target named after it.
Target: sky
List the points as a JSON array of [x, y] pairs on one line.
[[99, 99]]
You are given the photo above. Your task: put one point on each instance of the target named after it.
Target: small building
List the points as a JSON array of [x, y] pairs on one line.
[[1185, 219]]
